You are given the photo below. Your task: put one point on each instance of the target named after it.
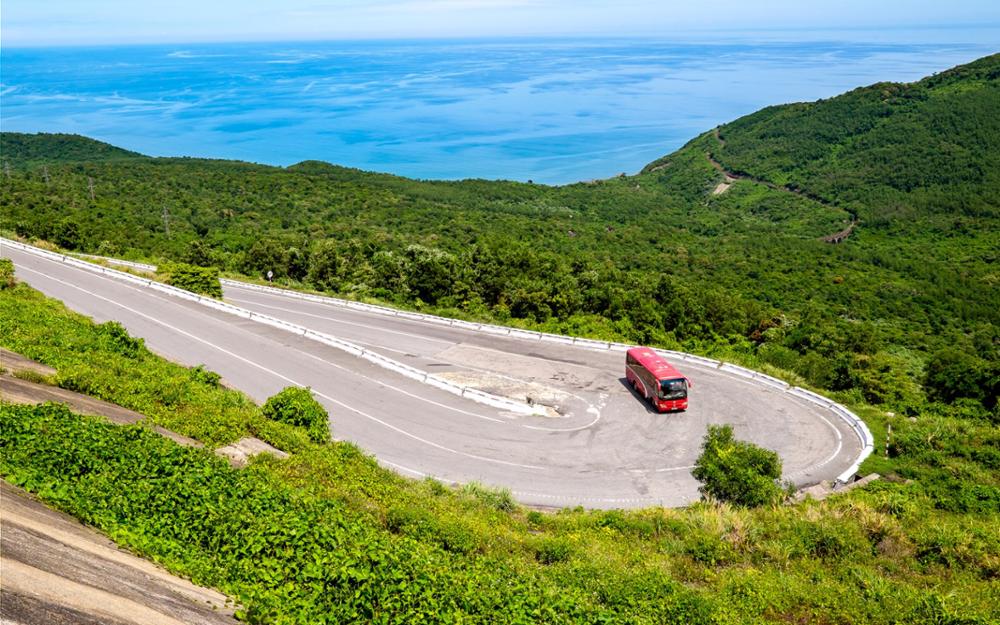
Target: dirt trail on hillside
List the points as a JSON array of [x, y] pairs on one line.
[[732, 176]]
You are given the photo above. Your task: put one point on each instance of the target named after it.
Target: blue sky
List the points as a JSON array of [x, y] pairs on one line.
[[70, 22]]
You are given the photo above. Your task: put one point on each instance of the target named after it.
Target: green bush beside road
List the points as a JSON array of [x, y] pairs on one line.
[[201, 280], [6, 273], [737, 472], [297, 406]]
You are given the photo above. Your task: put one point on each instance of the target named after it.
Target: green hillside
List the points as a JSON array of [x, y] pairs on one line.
[[24, 150], [890, 152]]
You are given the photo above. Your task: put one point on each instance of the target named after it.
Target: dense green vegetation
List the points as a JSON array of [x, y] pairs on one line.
[[204, 280], [329, 536], [25, 151], [297, 406], [737, 472], [887, 152], [654, 258], [6, 273]]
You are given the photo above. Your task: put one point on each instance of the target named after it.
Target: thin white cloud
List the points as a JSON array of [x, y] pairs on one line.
[[66, 22], [407, 6]]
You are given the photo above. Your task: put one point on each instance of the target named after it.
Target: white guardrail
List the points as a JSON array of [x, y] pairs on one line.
[[852, 420], [118, 261]]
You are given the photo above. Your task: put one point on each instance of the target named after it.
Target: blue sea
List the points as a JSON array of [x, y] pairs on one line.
[[552, 111]]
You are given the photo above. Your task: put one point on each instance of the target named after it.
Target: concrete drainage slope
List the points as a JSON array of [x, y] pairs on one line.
[[852, 420]]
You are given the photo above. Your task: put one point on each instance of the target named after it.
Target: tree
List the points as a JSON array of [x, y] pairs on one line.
[[265, 255], [432, 272], [324, 265], [296, 263], [204, 280], [737, 472], [198, 253], [952, 375], [67, 234]]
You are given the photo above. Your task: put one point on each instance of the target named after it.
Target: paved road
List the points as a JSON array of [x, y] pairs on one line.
[[603, 448]]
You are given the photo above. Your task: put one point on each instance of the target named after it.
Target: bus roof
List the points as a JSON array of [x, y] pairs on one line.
[[655, 363]]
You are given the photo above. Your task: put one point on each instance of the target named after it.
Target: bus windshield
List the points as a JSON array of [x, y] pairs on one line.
[[673, 389]]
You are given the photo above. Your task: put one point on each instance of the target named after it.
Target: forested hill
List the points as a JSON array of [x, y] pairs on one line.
[[24, 150], [903, 312], [887, 150]]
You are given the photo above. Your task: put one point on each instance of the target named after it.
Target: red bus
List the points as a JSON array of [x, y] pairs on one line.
[[655, 379]]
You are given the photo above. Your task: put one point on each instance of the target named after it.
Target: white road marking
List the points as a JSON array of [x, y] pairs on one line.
[[375, 347], [836, 452], [666, 469], [287, 379]]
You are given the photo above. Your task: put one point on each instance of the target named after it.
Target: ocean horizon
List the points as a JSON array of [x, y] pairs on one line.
[[548, 110]]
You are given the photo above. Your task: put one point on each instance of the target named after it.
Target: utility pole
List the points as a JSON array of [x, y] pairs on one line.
[[90, 186], [166, 220], [45, 173], [6, 169]]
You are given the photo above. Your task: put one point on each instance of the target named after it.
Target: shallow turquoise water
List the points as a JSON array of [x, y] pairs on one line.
[[551, 111]]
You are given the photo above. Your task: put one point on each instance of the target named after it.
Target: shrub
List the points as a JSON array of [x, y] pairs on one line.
[[552, 550], [497, 498], [400, 519], [205, 376], [708, 548], [6, 273], [115, 338], [451, 534], [297, 406], [204, 280], [735, 471]]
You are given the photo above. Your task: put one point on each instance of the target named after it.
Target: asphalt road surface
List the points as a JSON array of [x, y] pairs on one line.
[[602, 447]]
